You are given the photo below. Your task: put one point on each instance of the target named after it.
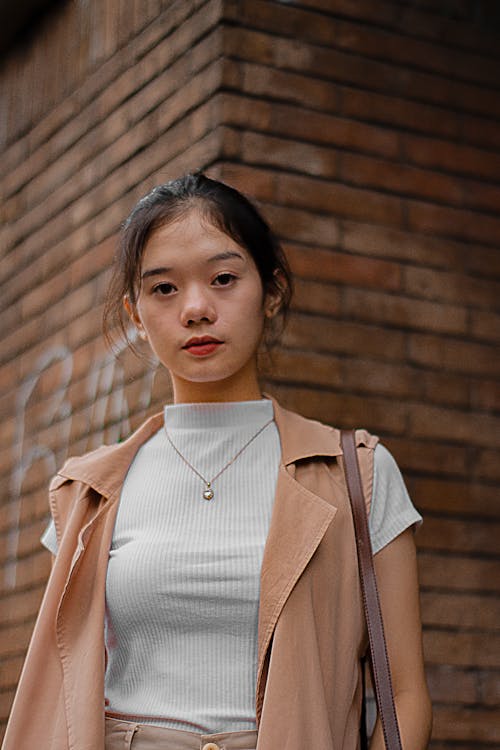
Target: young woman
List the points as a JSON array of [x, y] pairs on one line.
[[205, 591]]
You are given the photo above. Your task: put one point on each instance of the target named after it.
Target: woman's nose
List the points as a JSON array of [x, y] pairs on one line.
[[197, 307]]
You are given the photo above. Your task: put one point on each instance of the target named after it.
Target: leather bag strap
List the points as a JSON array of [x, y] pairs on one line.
[[371, 603]]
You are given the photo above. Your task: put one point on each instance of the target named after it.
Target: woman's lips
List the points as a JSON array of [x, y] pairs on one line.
[[200, 350]]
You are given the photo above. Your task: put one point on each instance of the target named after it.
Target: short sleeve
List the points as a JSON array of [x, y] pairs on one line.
[[49, 538], [392, 510]]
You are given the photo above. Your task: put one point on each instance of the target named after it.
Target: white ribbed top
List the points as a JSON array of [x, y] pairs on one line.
[[182, 588]]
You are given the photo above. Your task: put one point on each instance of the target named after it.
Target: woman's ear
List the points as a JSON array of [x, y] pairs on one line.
[[271, 309], [134, 317], [274, 297]]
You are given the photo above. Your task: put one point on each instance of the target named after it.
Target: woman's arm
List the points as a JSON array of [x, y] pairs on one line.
[[397, 580]]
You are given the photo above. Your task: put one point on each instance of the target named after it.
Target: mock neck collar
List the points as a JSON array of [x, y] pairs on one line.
[[215, 415], [105, 468]]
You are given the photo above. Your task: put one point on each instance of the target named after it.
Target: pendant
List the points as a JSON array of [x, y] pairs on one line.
[[209, 493]]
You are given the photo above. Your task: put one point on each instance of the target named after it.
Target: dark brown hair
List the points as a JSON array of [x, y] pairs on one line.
[[226, 209]]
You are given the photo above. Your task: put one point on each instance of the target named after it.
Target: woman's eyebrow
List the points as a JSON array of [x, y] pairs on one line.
[[155, 272], [226, 255]]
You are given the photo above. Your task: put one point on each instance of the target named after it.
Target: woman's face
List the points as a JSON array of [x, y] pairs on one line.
[[201, 307]]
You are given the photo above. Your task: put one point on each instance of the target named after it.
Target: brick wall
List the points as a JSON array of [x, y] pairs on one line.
[[368, 132]]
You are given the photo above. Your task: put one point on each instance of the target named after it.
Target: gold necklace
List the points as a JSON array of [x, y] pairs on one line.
[[208, 492]]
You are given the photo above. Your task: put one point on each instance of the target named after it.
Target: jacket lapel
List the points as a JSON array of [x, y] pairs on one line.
[[299, 521], [105, 468]]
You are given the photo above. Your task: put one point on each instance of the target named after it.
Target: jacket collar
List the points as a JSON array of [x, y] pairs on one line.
[[105, 469]]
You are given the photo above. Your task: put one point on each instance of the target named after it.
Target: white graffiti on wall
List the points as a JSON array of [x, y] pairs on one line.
[[106, 393]]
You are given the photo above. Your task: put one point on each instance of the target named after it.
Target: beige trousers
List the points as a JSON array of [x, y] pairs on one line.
[[128, 735]]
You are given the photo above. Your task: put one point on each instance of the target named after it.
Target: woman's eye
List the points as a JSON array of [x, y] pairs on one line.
[[223, 279], [164, 288]]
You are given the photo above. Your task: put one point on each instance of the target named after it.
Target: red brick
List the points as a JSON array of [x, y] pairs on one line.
[[31, 571], [485, 394], [15, 639], [489, 688], [445, 746], [403, 312], [456, 572], [482, 131], [251, 181], [35, 300], [486, 464], [342, 200], [9, 376], [47, 264], [453, 354], [6, 699], [387, 379], [461, 611], [343, 409], [473, 37], [427, 456], [462, 649], [395, 111], [451, 287], [450, 157], [374, 74], [204, 151], [315, 297], [316, 263], [10, 671], [230, 143], [296, 225], [436, 422], [444, 388], [436, 23], [452, 222], [285, 20], [381, 241], [8, 428], [305, 368], [20, 339], [100, 194], [265, 150], [243, 111], [120, 148], [472, 536], [465, 497], [384, 14], [485, 325], [308, 125], [452, 685], [481, 196], [337, 131], [320, 333], [471, 725], [13, 153], [35, 506], [380, 44], [398, 178], [283, 85]]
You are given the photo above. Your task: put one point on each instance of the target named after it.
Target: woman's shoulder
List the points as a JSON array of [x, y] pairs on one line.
[[296, 418], [306, 436], [106, 465]]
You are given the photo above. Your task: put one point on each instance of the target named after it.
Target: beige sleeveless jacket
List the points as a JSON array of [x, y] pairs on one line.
[[311, 626]]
